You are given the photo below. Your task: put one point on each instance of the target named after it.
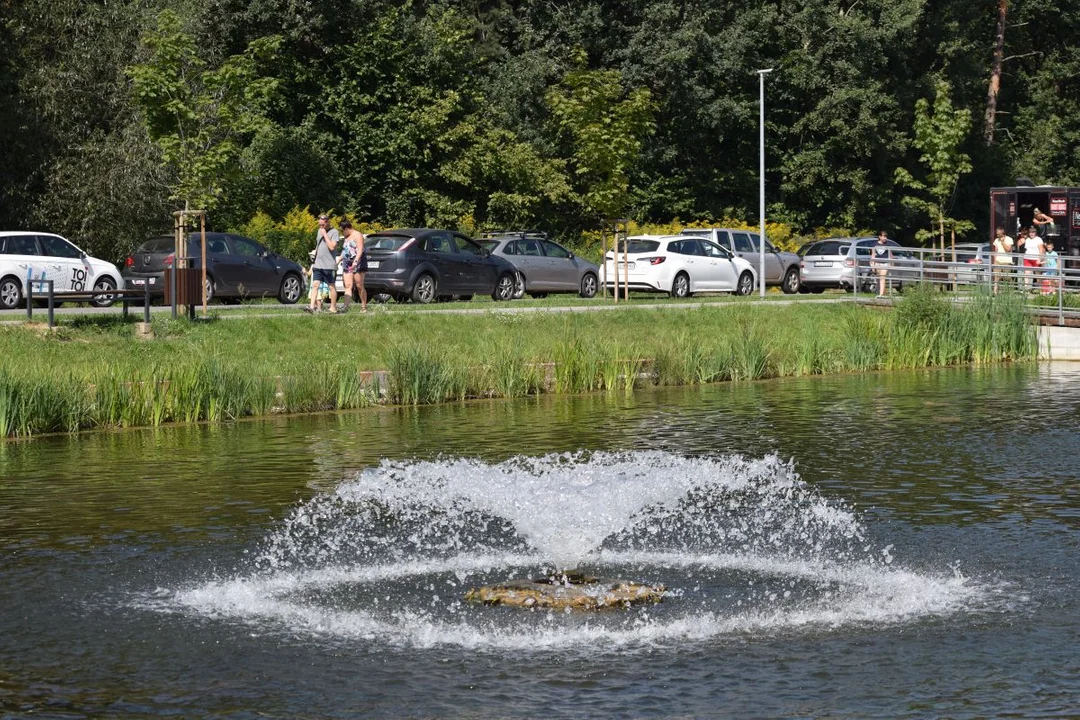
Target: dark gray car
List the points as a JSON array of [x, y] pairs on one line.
[[428, 264], [544, 266], [236, 268]]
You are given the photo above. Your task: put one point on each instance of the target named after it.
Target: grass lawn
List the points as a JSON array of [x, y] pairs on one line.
[[92, 371]]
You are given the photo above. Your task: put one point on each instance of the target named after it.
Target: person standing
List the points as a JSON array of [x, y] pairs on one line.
[[1050, 270], [880, 257], [1002, 263], [325, 266], [353, 263], [1034, 249]]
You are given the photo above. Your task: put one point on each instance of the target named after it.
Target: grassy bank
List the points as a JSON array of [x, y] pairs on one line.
[[94, 373]]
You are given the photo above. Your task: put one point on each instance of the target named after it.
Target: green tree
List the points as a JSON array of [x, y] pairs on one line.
[[940, 130], [606, 127], [199, 116]]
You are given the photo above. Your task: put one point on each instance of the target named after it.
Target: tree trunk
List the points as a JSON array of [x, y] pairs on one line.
[[995, 74]]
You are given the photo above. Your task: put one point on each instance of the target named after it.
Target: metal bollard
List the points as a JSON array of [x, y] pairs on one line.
[[146, 303], [52, 303]]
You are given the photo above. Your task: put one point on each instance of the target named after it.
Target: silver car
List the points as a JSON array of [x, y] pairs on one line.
[[823, 263], [831, 263], [543, 266]]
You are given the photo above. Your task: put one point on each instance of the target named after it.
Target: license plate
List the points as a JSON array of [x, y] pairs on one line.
[[138, 281], [820, 263], [373, 264]]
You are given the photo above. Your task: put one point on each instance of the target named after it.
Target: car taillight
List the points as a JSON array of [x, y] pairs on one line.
[[802, 264], [129, 262], [849, 262], [655, 260], [169, 259]]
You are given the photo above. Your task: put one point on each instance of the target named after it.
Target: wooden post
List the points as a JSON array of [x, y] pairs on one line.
[[202, 227], [603, 260]]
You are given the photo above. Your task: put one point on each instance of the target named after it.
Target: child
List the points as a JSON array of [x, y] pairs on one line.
[[1050, 271]]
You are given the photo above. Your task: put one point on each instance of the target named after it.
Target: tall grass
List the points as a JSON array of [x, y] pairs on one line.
[[97, 375]]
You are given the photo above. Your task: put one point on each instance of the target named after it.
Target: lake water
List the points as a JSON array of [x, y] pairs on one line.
[[884, 545]]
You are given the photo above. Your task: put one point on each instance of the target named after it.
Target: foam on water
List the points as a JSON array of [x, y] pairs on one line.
[[745, 545]]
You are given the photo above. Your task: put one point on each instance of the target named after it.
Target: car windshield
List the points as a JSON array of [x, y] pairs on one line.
[[157, 245], [634, 246], [489, 245], [386, 242], [827, 247]]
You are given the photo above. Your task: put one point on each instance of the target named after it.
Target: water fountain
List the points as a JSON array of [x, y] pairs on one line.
[[413, 553]]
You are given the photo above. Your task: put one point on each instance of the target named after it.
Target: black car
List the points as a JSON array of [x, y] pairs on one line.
[[237, 267], [422, 264]]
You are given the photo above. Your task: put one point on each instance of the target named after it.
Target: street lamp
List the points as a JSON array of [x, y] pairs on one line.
[[761, 181]]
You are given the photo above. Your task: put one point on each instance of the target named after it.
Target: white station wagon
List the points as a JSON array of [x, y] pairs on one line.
[[677, 264], [32, 256]]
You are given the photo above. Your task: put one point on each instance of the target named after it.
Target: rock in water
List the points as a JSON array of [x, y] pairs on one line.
[[572, 590]]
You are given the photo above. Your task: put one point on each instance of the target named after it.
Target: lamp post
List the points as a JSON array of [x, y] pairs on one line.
[[761, 180]]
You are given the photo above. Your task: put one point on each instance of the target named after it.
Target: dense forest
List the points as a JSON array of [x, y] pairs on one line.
[[541, 113]]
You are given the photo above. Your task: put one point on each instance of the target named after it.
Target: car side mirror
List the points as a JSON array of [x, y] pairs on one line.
[[570, 256], [82, 255]]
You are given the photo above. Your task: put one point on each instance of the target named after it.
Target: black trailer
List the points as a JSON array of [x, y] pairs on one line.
[[1013, 208]]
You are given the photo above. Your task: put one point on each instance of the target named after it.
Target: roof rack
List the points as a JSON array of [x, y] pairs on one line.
[[523, 234]]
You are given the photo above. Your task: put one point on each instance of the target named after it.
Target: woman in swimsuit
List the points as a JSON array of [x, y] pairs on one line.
[[353, 263]]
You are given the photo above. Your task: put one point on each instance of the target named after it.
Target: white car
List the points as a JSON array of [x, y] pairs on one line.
[[678, 264], [32, 257]]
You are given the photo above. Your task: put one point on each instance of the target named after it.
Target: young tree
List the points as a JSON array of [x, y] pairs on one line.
[[939, 132], [606, 127], [199, 116]]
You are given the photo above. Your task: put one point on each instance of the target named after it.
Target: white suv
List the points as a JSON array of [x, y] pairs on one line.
[[34, 256]]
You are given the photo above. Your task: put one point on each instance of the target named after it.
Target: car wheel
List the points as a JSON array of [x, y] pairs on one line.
[[588, 286], [10, 293], [292, 287], [504, 287], [209, 290], [791, 283], [423, 290], [680, 288], [381, 298], [519, 286], [103, 292], [746, 284]]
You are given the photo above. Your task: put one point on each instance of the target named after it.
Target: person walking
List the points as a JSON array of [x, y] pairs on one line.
[[325, 266], [880, 258], [1034, 250], [1002, 262], [353, 263]]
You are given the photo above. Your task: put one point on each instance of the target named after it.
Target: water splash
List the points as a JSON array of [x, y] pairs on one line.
[[747, 546]]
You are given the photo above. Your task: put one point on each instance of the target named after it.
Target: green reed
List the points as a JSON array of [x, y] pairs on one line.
[[91, 376]]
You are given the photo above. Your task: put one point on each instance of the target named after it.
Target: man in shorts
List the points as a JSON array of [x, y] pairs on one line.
[[324, 268]]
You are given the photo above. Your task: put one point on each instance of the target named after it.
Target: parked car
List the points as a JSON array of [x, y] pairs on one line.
[[678, 264], [426, 264], [781, 267], [822, 263], [236, 267], [967, 267], [904, 267], [543, 266], [26, 256]]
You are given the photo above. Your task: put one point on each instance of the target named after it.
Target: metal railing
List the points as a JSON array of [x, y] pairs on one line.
[[126, 298], [1047, 290]]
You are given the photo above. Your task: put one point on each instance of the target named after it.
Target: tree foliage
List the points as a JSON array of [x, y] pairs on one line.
[[198, 115], [479, 113]]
